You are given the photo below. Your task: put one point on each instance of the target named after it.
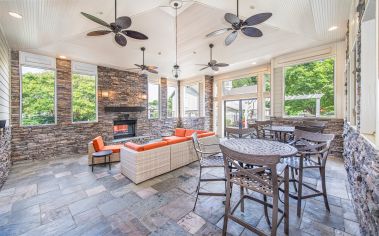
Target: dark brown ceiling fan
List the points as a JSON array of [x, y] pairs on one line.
[[212, 63], [143, 67], [118, 28], [241, 25]]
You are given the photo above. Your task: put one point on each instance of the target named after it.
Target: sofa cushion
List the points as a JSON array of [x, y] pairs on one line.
[[180, 132], [201, 131], [174, 139], [114, 148], [150, 146], [98, 143], [134, 146], [206, 134], [189, 132]]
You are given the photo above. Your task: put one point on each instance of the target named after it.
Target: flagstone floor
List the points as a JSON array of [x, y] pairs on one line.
[[63, 197]]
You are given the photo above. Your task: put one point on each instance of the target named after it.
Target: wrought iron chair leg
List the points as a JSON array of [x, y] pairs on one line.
[[286, 201], [242, 201], [275, 209], [266, 211], [322, 173], [197, 190], [300, 192], [293, 177], [227, 209]]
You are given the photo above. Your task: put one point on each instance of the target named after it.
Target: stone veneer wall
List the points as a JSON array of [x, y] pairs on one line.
[[65, 138], [333, 126], [362, 166], [361, 157], [5, 154]]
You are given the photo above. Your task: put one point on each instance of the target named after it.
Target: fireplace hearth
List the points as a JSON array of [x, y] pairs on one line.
[[124, 128]]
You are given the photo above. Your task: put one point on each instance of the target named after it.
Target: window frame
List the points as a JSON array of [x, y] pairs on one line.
[[199, 84], [176, 101], [21, 65], [73, 71], [334, 86], [159, 100]]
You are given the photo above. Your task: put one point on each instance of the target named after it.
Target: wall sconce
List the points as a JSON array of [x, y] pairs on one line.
[[104, 94], [143, 96]]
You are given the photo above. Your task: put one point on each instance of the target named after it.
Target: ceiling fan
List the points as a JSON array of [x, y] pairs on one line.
[[241, 25], [212, 63], [118, 28], [143, 67]]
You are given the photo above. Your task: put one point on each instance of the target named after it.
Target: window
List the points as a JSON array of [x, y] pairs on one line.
[[267, 108], [192, 100], [37, 96], [266, 83], [240, 86], [309, 89], [172, 102], [84, 98], [153, 101]]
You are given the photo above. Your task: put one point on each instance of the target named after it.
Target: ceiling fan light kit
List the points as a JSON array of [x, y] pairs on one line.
[[245, 26], [119, 28]]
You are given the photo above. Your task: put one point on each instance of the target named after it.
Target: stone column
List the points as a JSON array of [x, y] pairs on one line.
[[208, 103], [163, 98]]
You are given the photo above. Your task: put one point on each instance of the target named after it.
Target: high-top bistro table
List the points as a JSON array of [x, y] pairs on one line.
[[280, 131], [260, 147]]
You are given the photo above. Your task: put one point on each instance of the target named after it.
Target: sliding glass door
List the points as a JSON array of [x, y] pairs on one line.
[[239, 113]]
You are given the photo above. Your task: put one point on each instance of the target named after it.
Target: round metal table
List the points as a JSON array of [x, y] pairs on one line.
[[280, 131], [102, 154], [260, 147]]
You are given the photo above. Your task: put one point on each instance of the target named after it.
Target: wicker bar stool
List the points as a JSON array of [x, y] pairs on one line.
[[264, 179], [209, 156], [313, 153], [239, 133]]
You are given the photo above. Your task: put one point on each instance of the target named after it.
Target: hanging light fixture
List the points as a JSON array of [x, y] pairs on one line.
[[176, 68]]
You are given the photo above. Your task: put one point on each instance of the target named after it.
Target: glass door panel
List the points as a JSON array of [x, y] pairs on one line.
[[232, 114], [249, 112]]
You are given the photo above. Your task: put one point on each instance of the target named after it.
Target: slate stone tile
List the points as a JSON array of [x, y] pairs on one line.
[[17, 229], [63, 201], [101, 175], [192, 222], [209, 230], [89, 203], [24, 192], [87, 216], [54, 214], [146, 192], [340, 233], [56, 227], [110, 207], [166, 185], [233, 228], [95, 226], [62, 174], [189, 186], [95, 190], [315, 228], [4, 218], [7, 192], [154, 220], [316, 211], [47, 187], [170, 228], [352, 227], [118, 176], [178, 208], [210, 208], [127, 225], [71, 189], [143, 207], [42, 198], [21, 221]]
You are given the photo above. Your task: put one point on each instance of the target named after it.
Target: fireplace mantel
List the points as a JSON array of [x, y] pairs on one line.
[[124, 109]]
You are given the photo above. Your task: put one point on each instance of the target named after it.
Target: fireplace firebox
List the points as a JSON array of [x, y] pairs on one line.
[[124, 128]]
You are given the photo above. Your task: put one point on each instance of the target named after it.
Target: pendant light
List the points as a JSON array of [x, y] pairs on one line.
[[176, 68]]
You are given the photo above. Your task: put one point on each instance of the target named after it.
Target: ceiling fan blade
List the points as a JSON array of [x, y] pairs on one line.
[[222, 65], [140, 66], [252, 32], [231, 37], [215, 68], [201, 64], [217, 32], [213, 62], [95, 19], [120, 40], [257, 19], [152, 71], [152, 67], [231, 18], [134, 34], [124, 22], [99, 32], [204, 68]]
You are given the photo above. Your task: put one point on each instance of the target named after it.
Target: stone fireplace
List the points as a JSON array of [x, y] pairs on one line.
[[124, 128]]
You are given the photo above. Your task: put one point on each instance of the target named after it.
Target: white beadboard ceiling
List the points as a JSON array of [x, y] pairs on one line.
[[56, 27]]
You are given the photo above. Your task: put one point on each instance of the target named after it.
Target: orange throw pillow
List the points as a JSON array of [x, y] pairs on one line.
[[98, 143], [180, 132], [189, 132], [134, 146], [150, 146]]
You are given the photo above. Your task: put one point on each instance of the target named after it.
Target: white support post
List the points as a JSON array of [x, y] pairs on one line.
[[318, 105]]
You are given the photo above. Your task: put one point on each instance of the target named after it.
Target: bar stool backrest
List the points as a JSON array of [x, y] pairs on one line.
[[260, 127], [312, 129], [238, 133]]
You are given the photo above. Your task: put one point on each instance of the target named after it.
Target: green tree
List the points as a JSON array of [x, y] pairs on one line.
[[153, 109], [38, 98], [310, 78], [248, 81], [83, 97]]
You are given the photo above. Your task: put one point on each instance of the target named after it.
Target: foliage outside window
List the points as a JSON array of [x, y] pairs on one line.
[[266, 82], [38, 96], [309, 89], [83, 98], [267, 107], [172, 101], [240, 86], [153, 101], [192, 100]]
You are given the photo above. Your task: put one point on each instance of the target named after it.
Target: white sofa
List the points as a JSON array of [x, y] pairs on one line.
[[144, 165]]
